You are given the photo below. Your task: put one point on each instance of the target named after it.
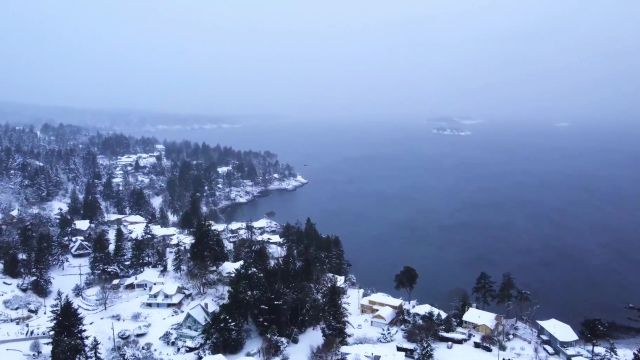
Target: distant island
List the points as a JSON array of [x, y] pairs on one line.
[[451, 131]]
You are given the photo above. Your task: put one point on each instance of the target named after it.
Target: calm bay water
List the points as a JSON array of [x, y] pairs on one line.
[[556, 206]]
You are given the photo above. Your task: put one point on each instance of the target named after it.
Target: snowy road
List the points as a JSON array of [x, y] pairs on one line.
[[7, 341]]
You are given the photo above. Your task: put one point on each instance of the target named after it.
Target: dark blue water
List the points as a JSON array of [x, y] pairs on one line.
[[557, 207]]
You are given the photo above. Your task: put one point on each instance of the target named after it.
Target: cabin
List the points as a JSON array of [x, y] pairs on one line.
[[80, 248], [114, 219], [484, 322], [162, 233], [165, 295], [558, 335], [145, 280], [194, 320]]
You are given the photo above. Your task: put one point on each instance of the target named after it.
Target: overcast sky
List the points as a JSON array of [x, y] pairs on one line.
[[335, 58]]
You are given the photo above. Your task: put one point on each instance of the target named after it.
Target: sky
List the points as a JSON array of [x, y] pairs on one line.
[[509, 59]]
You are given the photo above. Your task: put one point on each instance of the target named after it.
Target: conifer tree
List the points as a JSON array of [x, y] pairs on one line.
[[75, 205], [41, 283], [94, 350], [484, 290], [224, 332], [120, 248], [506, 291], [100, 255], [11, 264], [334, 327], [424, 350], [108, 191], [178, 260], [91, 208], [68, 333], [593, 331], [636, 354], [163, 217]]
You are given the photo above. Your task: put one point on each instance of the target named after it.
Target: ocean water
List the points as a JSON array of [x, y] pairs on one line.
[[557, 206]]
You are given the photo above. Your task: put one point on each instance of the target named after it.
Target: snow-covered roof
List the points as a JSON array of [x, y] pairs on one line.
[[162, 231], [81, 225], [273, 238], [223, 169], [134, 219], [14, 212], [236, 226], [199, 313], [384, 351], [165, 294], [113, 217], [148, 275], [168, 289], [136, 230], [338, 279], [263, 223], [425, 309], [480, 317], [381, 298], [80, 247], [218, 227], [386, 314], [229, 268], [559, 330]]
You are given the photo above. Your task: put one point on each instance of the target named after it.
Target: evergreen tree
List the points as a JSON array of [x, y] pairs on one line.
[[108, 191], [75, 205], [178, 260], [484, 290], [100, 255], [386, 336], [506, 292], [138, 255], [11, 264], [224, 333], [94, 350], [163, 217], [424, 351], [41, 283], [120, 248], [522, 299], [636, 354], [406, 280], [611, 351], [68, 333], [91, 208], [334, 328]]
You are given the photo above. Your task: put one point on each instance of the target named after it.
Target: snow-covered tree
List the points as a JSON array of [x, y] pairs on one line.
[[68, 333], [424, 350]]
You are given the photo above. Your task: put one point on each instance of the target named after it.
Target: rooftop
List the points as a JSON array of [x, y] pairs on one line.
[[480, 317], [559, 330]]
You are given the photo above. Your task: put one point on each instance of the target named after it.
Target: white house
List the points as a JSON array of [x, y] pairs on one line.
[[374, 302], [228, 269], [557, 334], [145, 280], [81, 226], [165, 295], [484, 322]]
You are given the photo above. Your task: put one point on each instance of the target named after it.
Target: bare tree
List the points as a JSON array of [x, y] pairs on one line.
[[105, 293]]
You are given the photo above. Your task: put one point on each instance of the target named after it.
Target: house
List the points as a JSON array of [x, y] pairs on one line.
[[557, 334], [133, 219], [145, 280], [228, 269], [162, 233], [484, 322], [194, 320], [426, 309], [373, 303], [372, 351], [165, 295], [80, 248], [80, 227], [383, 317]]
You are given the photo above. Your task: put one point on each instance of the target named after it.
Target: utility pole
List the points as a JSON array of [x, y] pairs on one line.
[[79, 266], [113, 334]]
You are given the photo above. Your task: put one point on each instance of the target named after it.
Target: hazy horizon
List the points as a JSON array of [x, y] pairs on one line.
[[497, 59]]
